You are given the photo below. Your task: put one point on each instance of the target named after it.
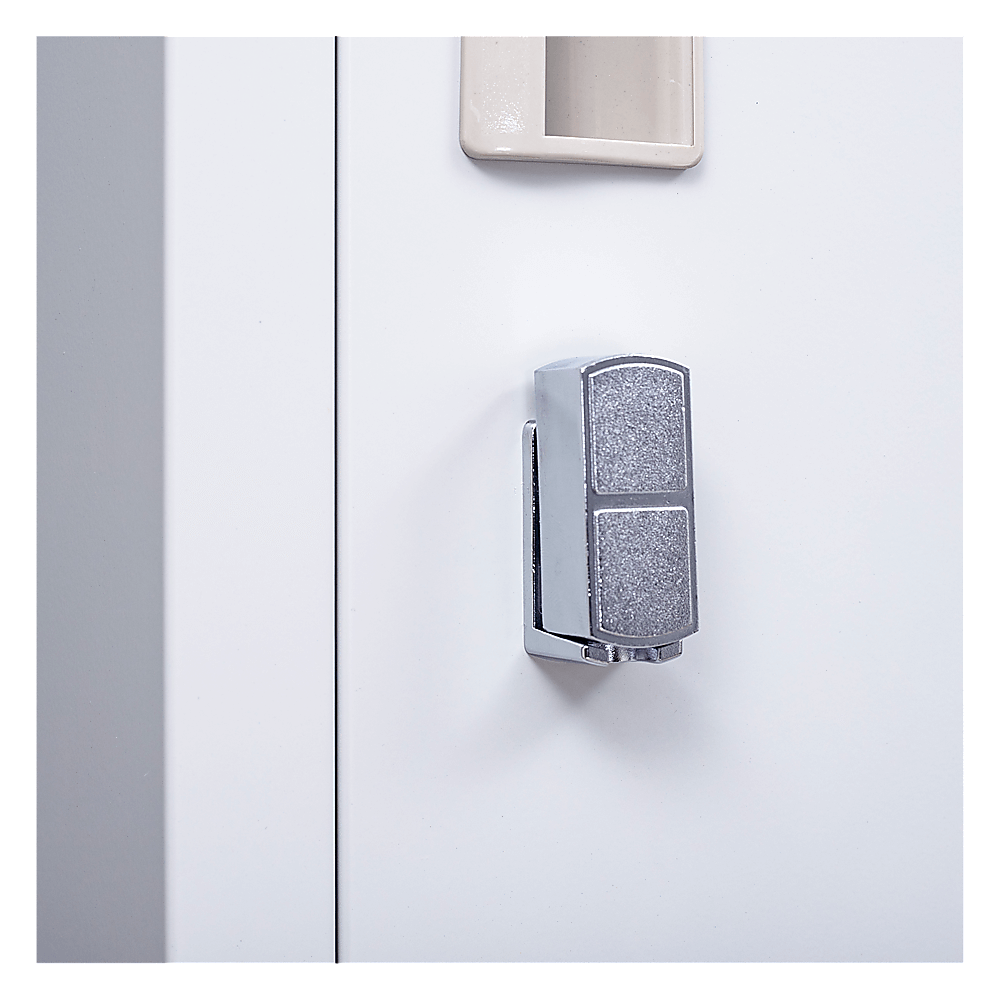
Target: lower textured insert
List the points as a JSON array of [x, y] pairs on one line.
[[643, 571]]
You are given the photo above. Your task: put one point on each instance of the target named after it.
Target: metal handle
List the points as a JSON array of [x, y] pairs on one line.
[[609, 559]]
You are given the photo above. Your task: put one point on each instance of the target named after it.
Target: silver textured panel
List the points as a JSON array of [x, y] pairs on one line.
[[643, 570], [637, 429]]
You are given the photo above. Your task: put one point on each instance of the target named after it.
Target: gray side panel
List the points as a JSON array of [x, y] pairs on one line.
[[100, 510]]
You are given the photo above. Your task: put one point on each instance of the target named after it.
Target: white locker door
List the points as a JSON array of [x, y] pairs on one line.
[[790, 788]]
